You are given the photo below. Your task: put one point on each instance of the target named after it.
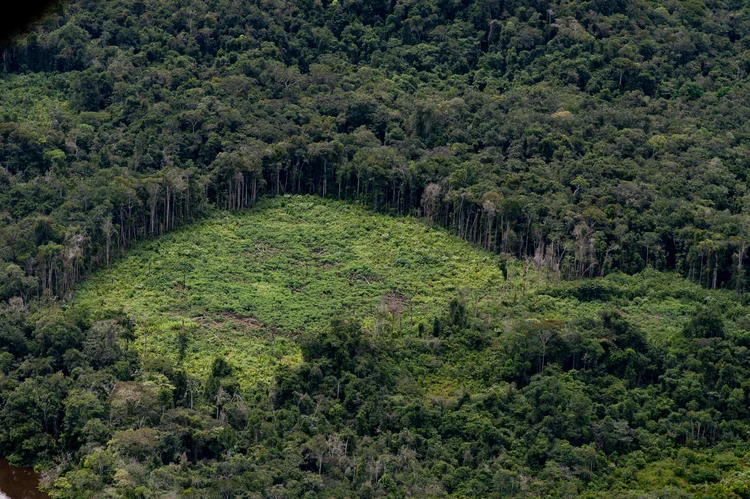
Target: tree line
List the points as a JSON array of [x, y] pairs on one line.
[[534, 408], [590, 136]]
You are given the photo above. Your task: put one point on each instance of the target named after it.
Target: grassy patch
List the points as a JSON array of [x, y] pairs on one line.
[[246, 285]]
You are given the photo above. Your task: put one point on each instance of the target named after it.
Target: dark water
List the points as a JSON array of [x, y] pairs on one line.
[[18, 483]]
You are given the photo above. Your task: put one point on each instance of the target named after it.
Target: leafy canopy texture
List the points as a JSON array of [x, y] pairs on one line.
[[595, 135], [308, 347], [312, 348]]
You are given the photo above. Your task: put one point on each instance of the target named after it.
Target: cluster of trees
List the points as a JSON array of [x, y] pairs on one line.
[[545, 409], [592, 135], [586, 136]]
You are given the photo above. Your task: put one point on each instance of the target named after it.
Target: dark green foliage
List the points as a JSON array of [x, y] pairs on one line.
[[588, 290], [599, 136], [338, 349], [705, 323], [573, 139], [469, 408]]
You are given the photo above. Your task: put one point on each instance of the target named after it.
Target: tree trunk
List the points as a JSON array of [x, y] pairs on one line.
[[740, 258]]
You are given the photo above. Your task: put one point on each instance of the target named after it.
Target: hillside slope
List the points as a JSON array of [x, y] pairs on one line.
[[605, 135], [559, 309], [313, 348], [245, 285]]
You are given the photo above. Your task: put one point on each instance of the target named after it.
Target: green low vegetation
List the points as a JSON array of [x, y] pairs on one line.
[[245, 285], [312, 348], [412, 248], [605, 135]]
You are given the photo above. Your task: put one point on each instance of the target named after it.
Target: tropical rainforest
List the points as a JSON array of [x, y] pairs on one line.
[[408, 248]]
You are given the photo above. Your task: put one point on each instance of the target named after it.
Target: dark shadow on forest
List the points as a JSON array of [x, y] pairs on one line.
[[23, 14]]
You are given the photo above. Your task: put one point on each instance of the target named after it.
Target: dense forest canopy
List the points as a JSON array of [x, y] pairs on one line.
[[592, 135], [605, 140], [183, 371]]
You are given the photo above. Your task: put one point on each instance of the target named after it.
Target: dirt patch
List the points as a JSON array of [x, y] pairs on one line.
[[394, 303], [249, 321]]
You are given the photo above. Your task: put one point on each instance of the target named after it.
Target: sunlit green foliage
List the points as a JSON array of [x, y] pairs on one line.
[[591, 341], [345, 352], [598, 135], [245, 285]]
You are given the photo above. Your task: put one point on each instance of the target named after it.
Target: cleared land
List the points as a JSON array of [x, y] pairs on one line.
[[245, 285]]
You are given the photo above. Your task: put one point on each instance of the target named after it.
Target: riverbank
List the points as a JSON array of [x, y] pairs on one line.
[[19, 483]]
